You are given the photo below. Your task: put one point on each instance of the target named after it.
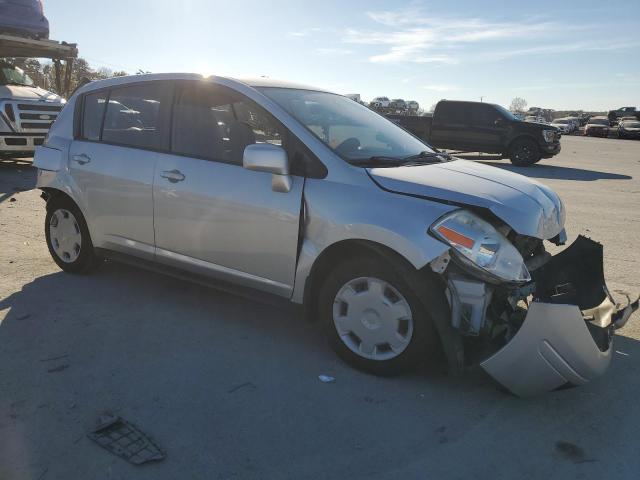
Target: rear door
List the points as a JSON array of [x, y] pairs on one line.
[[113, 162], [212, 216], [450, 126]]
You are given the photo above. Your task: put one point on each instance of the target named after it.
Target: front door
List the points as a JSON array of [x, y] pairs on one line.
[[212, 216]]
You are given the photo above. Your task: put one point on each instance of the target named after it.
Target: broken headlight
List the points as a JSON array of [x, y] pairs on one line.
[[481, 247]]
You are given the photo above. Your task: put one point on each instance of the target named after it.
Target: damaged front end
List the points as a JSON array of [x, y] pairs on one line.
[[553, 331]]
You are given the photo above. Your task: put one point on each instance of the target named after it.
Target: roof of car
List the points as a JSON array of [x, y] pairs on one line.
[[147, 77]]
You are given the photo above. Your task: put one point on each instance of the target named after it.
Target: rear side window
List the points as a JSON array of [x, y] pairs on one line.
[[452, 113], [135, 116], [93, 113], [216, 123]]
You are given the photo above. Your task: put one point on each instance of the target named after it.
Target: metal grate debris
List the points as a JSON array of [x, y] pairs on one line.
[[125, 440]]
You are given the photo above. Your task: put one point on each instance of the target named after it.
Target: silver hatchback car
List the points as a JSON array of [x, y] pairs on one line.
[[398, 249]]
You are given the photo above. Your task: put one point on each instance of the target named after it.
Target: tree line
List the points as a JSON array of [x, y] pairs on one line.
[[43, 74]]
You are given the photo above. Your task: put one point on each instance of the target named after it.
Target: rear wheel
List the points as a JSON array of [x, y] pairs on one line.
[[373, 319], [68, 237], [524, 152]]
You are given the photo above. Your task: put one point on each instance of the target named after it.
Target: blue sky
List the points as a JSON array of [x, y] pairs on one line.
[[555, 54]]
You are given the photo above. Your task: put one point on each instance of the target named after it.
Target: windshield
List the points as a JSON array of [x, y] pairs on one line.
[[562, 122], [351, 130], [599, 121], [505, 112], [10, 75]]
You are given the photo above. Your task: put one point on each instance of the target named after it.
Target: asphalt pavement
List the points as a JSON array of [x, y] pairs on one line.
[[229, 388]]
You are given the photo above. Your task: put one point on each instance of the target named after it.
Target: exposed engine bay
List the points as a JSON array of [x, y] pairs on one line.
[[555, 330]]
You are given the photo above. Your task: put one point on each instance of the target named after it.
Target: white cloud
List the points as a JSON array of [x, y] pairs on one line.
[[441, 88], [334, 51], [413, 36]]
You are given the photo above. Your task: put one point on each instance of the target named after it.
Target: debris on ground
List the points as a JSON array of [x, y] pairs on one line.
[[12, 199], [49, 359], [59, 368], [571, 452], [326, 379], [123, 439], [242, 385]]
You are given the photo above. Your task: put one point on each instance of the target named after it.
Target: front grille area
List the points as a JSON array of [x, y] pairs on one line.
[[39, 107], [30, 117]]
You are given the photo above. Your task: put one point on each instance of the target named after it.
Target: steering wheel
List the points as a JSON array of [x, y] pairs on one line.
[[348, 145]]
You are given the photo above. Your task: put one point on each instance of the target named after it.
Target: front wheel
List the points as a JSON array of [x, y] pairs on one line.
[[524, 152], [373, 319], [68, 237]]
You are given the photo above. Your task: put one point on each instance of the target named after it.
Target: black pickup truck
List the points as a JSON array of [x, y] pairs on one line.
[[483, 127]]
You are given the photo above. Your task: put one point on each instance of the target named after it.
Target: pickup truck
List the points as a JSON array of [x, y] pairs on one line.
[[615, 115], [26, 112], [483, 127]]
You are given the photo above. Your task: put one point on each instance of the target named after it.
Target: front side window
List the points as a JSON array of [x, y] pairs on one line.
[[351, 130], [214, 122], [93, 114], [134, 115]]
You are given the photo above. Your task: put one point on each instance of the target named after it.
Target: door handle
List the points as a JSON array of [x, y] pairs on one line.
[[82, 159], [172, 175]]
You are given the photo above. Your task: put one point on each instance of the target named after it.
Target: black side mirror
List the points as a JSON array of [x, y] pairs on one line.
[[498, 122]]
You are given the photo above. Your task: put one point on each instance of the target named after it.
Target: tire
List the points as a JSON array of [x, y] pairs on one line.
[[524, 152], [412, 330], [68, 237]]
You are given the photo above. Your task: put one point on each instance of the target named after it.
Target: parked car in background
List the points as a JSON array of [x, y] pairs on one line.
[[565, 125], [615, 115], [380, 102], [398, 104], [629, 129], [484, 127], [26, 112], [398, 250], [530, 118], [24, 18], [413, 106], [597, 127]]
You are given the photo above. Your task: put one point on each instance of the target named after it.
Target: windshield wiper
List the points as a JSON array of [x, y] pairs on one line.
[[17, 83], [421, 158], [376, 161], [425, 157]]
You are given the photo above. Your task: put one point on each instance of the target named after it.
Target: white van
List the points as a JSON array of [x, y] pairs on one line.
[[26, 112]]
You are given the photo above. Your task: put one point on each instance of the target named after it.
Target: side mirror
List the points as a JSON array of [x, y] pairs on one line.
[[498, 122], [266, 157]]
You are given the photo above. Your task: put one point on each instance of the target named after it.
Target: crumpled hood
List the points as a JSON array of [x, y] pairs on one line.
[[527, 206], [28, 93]]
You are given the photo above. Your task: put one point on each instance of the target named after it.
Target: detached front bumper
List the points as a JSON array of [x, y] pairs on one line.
[[566, 337]]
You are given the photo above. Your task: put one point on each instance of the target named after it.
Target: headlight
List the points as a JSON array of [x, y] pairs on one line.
[[481, 246], [548, 135]]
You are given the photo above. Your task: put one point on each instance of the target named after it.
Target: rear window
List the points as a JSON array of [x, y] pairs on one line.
[[452, 113], [134, 116], [92, 116]]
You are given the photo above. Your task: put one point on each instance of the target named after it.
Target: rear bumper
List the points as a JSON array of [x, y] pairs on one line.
[[567, 335]]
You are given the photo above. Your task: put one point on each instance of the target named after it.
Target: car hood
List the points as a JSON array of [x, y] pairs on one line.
[[527, 206], [28, 93]]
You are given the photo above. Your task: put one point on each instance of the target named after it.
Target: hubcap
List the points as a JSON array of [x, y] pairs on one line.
[[372, 318], [65, 235]]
